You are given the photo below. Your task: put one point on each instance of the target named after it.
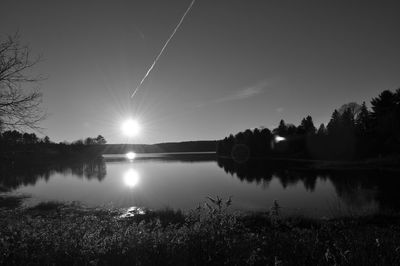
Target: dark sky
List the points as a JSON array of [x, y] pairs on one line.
[[232, 65]]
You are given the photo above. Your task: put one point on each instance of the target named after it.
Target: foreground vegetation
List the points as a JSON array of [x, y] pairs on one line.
[[65, 234]]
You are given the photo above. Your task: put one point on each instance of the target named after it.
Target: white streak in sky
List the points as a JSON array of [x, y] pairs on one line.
[[163, 48], [242, 94], [247, 92]]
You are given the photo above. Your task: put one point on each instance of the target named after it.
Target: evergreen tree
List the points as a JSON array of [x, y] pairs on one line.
[[322, 130], [347, 121], [385, 121], [363, 121], [29, 138], [334, 124], [265, 144], [281, 130], [291, 130], [306, 126], [383, 104]]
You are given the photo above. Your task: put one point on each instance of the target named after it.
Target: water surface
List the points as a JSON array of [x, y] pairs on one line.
[[182, 181]]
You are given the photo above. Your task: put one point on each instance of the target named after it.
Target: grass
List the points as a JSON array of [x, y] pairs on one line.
[[65, 234], [10, 201], [47, 206]]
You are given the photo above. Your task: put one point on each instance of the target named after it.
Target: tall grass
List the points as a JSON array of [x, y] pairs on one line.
[[208, 235]]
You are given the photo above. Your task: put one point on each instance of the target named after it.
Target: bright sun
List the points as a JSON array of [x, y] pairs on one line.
[[130, 128]]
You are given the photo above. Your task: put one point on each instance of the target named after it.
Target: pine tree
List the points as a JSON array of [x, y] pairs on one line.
[[363, 121], [322, 130], [334, 124], [281, 129], [307, 125]]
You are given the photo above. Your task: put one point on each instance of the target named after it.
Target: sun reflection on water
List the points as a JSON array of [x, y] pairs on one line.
[[131, 178], [133, 211], [130, 155]]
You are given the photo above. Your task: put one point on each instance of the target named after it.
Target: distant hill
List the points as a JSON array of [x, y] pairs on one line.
[[186, 146], [18, 155]]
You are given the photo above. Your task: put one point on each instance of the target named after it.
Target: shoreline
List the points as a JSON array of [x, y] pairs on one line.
[[375, 164], [390, 163]]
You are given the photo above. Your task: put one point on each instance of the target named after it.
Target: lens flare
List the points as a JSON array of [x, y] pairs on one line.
[[279, 138]]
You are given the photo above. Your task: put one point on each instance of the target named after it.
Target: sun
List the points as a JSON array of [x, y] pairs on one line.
[[130, 128]]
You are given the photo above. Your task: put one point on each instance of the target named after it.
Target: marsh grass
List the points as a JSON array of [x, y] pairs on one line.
[[165, 217], [207, 235], [339, 209], [11, 201], [47, 206]]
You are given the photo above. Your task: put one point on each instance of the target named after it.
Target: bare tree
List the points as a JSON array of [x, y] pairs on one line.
[[19, 109]]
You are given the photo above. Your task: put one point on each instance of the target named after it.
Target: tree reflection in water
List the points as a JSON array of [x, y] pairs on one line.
[[355, 188], [12, 178]]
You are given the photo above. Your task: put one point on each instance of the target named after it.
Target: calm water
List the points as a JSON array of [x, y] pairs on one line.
[[184, 180]]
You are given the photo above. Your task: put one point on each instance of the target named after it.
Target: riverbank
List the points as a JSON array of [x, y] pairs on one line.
[[68, 234]]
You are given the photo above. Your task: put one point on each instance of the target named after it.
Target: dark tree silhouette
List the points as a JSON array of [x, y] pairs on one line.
[[29, 138], [386, 121], [383, 104], [353, 132], [353, 107], [322, 131], [100, 140], [334, 124], [282, 129], [291, 130], [306, 126], [19, 109], [12, 137], [89, 141], [46, 140], [366, 142], [348, 121], [78, 142], [363, 121]]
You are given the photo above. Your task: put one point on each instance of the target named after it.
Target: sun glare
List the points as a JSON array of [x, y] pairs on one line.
[[131, 178], [130, 128]]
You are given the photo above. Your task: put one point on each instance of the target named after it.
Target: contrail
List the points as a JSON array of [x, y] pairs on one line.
[[163, 48]]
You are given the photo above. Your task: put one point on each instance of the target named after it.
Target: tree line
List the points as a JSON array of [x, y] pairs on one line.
[[19, 149], [353, 132], [14, 137]]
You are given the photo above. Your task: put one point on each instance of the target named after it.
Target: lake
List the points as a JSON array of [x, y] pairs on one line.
[[183, 181]]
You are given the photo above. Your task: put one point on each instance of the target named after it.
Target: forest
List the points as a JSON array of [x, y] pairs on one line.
[[353, 132]]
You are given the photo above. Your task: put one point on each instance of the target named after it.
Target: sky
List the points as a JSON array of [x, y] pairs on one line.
[[232, 65]]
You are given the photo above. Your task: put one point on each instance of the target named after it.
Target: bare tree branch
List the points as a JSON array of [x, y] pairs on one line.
[[19, 109]]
